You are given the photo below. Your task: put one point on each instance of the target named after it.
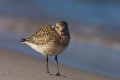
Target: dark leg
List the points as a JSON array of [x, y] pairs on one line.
[[58, 73], [47, 65]]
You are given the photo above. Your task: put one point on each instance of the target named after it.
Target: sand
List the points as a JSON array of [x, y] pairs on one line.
[[18, 66]]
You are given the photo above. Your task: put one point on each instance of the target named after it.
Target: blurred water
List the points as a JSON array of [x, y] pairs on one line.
[[93, 12]]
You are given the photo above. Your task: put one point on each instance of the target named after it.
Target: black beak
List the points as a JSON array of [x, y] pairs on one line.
[[62, 32]]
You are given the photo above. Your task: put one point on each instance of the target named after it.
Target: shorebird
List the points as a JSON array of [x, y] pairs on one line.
[[50, 40]]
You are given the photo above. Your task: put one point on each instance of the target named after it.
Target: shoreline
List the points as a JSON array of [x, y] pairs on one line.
[[18, 66]]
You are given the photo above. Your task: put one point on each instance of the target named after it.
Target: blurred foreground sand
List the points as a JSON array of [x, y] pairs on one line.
[[18, 66]]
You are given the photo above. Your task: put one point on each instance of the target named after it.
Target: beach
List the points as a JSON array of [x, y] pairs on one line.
[[18, 66]]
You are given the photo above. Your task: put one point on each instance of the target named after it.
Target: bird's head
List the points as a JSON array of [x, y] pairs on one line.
[[62, 28]]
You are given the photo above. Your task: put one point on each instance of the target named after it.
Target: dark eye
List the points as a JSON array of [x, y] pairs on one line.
[[57, 27]]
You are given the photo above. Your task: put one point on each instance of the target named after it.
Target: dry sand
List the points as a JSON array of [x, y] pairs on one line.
[[18, 66]]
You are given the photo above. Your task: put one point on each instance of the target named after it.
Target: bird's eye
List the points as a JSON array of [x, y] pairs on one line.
[[57, 27]]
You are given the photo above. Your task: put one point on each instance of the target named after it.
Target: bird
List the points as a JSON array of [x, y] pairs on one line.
[[50, 40]]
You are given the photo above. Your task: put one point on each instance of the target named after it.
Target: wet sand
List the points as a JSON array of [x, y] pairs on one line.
[[18, 66]]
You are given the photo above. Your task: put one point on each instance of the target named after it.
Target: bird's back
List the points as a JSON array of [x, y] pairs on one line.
[[44, 35]]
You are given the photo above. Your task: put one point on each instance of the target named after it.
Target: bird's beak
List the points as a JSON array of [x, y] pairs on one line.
[[62, 32]]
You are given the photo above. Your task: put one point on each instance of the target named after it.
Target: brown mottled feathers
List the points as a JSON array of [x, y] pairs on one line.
[[44, 35]]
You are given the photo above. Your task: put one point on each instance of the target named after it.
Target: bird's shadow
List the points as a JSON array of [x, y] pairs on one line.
[[59, 76], [64, 76]]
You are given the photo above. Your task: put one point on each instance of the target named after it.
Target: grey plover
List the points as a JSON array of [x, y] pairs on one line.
[[50, 40]]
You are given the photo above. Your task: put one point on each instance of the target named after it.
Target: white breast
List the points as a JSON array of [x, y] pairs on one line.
[[49, 49]]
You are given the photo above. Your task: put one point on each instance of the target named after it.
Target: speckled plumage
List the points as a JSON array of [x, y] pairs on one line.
[[48, 40], [43, 35]]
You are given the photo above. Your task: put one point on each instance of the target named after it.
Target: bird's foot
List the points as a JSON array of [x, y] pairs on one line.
[[49, 73], [58, 74]]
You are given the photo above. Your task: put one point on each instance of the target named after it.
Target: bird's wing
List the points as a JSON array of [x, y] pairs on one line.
[[42, 36]]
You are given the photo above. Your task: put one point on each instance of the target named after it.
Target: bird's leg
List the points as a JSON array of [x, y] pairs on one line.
[[58, 73], [47, 69]]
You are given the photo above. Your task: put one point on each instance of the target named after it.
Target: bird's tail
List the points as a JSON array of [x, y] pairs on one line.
[[23, 40]]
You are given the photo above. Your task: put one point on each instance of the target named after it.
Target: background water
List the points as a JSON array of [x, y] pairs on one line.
[[94, 26]]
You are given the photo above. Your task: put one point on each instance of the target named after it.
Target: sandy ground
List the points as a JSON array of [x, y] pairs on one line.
[[17, 66]]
